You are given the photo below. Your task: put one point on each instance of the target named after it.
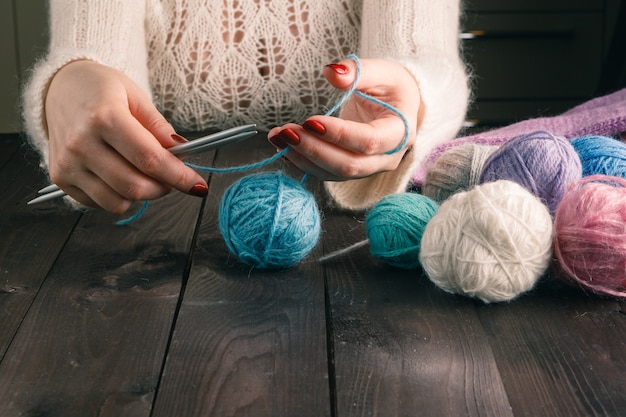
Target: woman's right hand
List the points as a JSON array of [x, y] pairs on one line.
[[108, 142]]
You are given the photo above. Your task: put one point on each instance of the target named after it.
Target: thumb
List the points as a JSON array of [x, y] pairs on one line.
[[376, 77]]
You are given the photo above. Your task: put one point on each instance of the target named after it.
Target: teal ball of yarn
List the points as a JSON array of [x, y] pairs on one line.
[[269, 220], [395, 226], [601, 155]]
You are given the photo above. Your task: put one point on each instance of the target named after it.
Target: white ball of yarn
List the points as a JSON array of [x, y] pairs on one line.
[[492, 242]]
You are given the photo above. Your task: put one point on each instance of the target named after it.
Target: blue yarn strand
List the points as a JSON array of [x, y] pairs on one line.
[[407, 129], [135, 216], [353, 90], [242, 168], [334, 109]]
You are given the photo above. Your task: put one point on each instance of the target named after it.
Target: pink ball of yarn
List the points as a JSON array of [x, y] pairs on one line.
[[590, 235]]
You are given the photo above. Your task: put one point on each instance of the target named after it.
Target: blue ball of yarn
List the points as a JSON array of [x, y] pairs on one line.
[[601, 155], [543, 163], [395, 226], [269, 220]]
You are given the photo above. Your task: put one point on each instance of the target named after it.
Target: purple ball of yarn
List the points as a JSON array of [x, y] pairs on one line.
[[543, 163]]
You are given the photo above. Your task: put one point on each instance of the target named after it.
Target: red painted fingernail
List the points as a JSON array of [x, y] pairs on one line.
[[278, 141], [178, 138], [199, 190], [314, 126], [338, 68], [289, 136]]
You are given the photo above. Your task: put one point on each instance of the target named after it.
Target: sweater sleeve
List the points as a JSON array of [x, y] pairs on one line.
[[422, 35], [110, 32]]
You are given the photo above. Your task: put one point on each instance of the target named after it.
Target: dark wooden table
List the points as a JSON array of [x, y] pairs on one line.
[[158, 319]]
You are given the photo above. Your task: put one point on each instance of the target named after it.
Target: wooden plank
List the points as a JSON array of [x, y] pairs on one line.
[[94, 340], [401, 346], [247, 342], [31, 237], [560, 352]]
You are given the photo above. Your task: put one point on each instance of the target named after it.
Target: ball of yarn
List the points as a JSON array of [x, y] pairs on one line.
[[601, 155], [457, 169], [395, 226], [492, 242], [590, 235], [269, 220], [543, 163]]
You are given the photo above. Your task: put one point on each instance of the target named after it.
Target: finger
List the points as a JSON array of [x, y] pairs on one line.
[[101, 160], [381, 135], [328, 161], [123, 177], [382, 92], [305, 165], [377, 77], [93, 192], [149, 157], [142, 108]]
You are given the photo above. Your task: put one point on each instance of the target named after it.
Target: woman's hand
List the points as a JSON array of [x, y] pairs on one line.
[[360, 142], [108, 142]]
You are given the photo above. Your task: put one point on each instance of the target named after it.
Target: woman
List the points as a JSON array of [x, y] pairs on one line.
[[121, 76]]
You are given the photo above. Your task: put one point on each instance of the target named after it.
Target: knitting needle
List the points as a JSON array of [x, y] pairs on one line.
[[197, 145], [203, 144], [212, 144], [228, 134], [48, 189], [48, 196]]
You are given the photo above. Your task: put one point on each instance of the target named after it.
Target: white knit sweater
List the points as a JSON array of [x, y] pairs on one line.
[[260, 61]]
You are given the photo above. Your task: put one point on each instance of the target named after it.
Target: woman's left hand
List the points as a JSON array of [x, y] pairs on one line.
[[360, 142]]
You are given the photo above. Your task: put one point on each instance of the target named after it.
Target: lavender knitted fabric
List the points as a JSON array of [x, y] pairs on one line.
[[605, 116]]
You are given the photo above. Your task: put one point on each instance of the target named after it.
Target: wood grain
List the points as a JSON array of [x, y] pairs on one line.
[[247, 342], [93, 341], [560, 352], [159, 319], [31, 238], [401, 346]]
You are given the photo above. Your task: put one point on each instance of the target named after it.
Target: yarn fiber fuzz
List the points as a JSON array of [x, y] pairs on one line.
[[492, 242], [269, 220], [601, 155], [457, 169], [543, 163], [590, 235], [395, 226]]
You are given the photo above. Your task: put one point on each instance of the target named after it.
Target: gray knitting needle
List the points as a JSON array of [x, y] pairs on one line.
[[203, 144], [214, 140], [196, 146], [48, 189]]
